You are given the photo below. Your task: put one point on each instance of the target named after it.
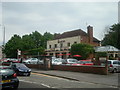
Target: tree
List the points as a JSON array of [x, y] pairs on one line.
[[27, 43], [37, 39], [33, 44], [12, 45], [82, 49], [47, 36], [37, 51], [113, 36]]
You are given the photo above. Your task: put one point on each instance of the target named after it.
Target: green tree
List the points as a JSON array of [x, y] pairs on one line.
[[82, 49], [113, 36], [47, 36], [37, 39], [27, 42], [33, 43], [37, 51], [12, 45]]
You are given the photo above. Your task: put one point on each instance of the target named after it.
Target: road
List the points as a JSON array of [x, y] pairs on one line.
[[37, 80]]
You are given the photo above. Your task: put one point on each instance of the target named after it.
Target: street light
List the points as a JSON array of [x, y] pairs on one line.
[[3, 46]]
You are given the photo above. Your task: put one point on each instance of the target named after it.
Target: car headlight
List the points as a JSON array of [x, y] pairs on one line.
[[29, 70]]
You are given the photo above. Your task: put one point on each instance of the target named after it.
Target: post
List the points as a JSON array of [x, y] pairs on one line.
[[3, 47]]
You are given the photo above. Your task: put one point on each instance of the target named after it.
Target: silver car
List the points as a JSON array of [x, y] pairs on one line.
[[31, 61], [113, 66]]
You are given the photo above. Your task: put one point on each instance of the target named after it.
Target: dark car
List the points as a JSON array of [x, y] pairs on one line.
[[21, 69], [8, 78]]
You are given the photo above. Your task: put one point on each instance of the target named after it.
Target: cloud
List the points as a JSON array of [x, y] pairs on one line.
[[25, 17]]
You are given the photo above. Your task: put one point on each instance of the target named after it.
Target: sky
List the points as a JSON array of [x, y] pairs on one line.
[[25, 17]]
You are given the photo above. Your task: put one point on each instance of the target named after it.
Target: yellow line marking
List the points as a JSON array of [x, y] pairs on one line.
[[44, 75]]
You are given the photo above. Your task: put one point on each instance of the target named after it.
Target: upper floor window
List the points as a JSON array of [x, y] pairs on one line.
[[55, 45], [68, 44], [61, 45], [75, 42], [50, 46]]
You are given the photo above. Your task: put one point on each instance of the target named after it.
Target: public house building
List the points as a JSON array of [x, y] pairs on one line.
[[61, 44]]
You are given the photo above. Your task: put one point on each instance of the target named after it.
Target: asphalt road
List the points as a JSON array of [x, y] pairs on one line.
[[45, 81]]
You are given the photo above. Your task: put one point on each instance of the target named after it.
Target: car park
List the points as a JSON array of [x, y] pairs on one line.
[[113, 66], [21, 69], [9, 78], [84, 62], [31, 61]]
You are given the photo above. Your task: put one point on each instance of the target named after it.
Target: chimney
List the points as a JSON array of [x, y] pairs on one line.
[[90, 34]]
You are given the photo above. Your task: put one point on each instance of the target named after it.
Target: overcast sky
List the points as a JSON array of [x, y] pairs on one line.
[[56, 17]]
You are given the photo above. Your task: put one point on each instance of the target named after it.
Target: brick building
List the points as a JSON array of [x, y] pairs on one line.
[[60, 46]]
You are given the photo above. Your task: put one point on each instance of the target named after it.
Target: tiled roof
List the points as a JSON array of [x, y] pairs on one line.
[[95, 40], [105, 48], [73, 33]]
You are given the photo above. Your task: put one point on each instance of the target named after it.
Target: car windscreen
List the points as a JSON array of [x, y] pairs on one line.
[[72, 60], [21, 65], [109, 62]]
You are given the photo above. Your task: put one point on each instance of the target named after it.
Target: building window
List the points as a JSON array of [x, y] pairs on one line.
[[75, 42], [68, 44], [55, 45], [49, 46], [61, 45]]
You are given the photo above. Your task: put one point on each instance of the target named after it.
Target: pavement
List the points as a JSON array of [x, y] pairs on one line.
[[111, 79]]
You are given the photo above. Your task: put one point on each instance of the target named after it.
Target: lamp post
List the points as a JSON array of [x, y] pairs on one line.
[[3, 46]]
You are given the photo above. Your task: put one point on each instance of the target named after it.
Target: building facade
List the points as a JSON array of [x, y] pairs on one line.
[[61, 45], [1, 52]]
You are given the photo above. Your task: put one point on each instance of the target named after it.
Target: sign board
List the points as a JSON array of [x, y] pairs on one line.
[[19, 52], [103, 60]]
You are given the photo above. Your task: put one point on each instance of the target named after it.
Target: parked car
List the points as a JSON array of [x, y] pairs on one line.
[[57, 61], [8, 78], [69, 61], [113, 66], [21, 69], [84, 62], [14, 60], [31, 61]]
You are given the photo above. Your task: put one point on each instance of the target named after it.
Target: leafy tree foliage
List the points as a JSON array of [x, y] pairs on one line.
[[36, 38], [12, 45], [47, 36], [82, 49], [27, 43], [113, 36], [33, 44], [37, 51]]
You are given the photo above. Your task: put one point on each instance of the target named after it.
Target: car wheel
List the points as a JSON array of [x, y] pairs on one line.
[[15, 87], [115, 70], [28, 74]]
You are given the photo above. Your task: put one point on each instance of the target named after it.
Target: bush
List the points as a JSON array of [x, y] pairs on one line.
[[82, 49]]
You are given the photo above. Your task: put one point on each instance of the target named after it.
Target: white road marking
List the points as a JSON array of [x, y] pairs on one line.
[[37, 83], [45, 85]]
